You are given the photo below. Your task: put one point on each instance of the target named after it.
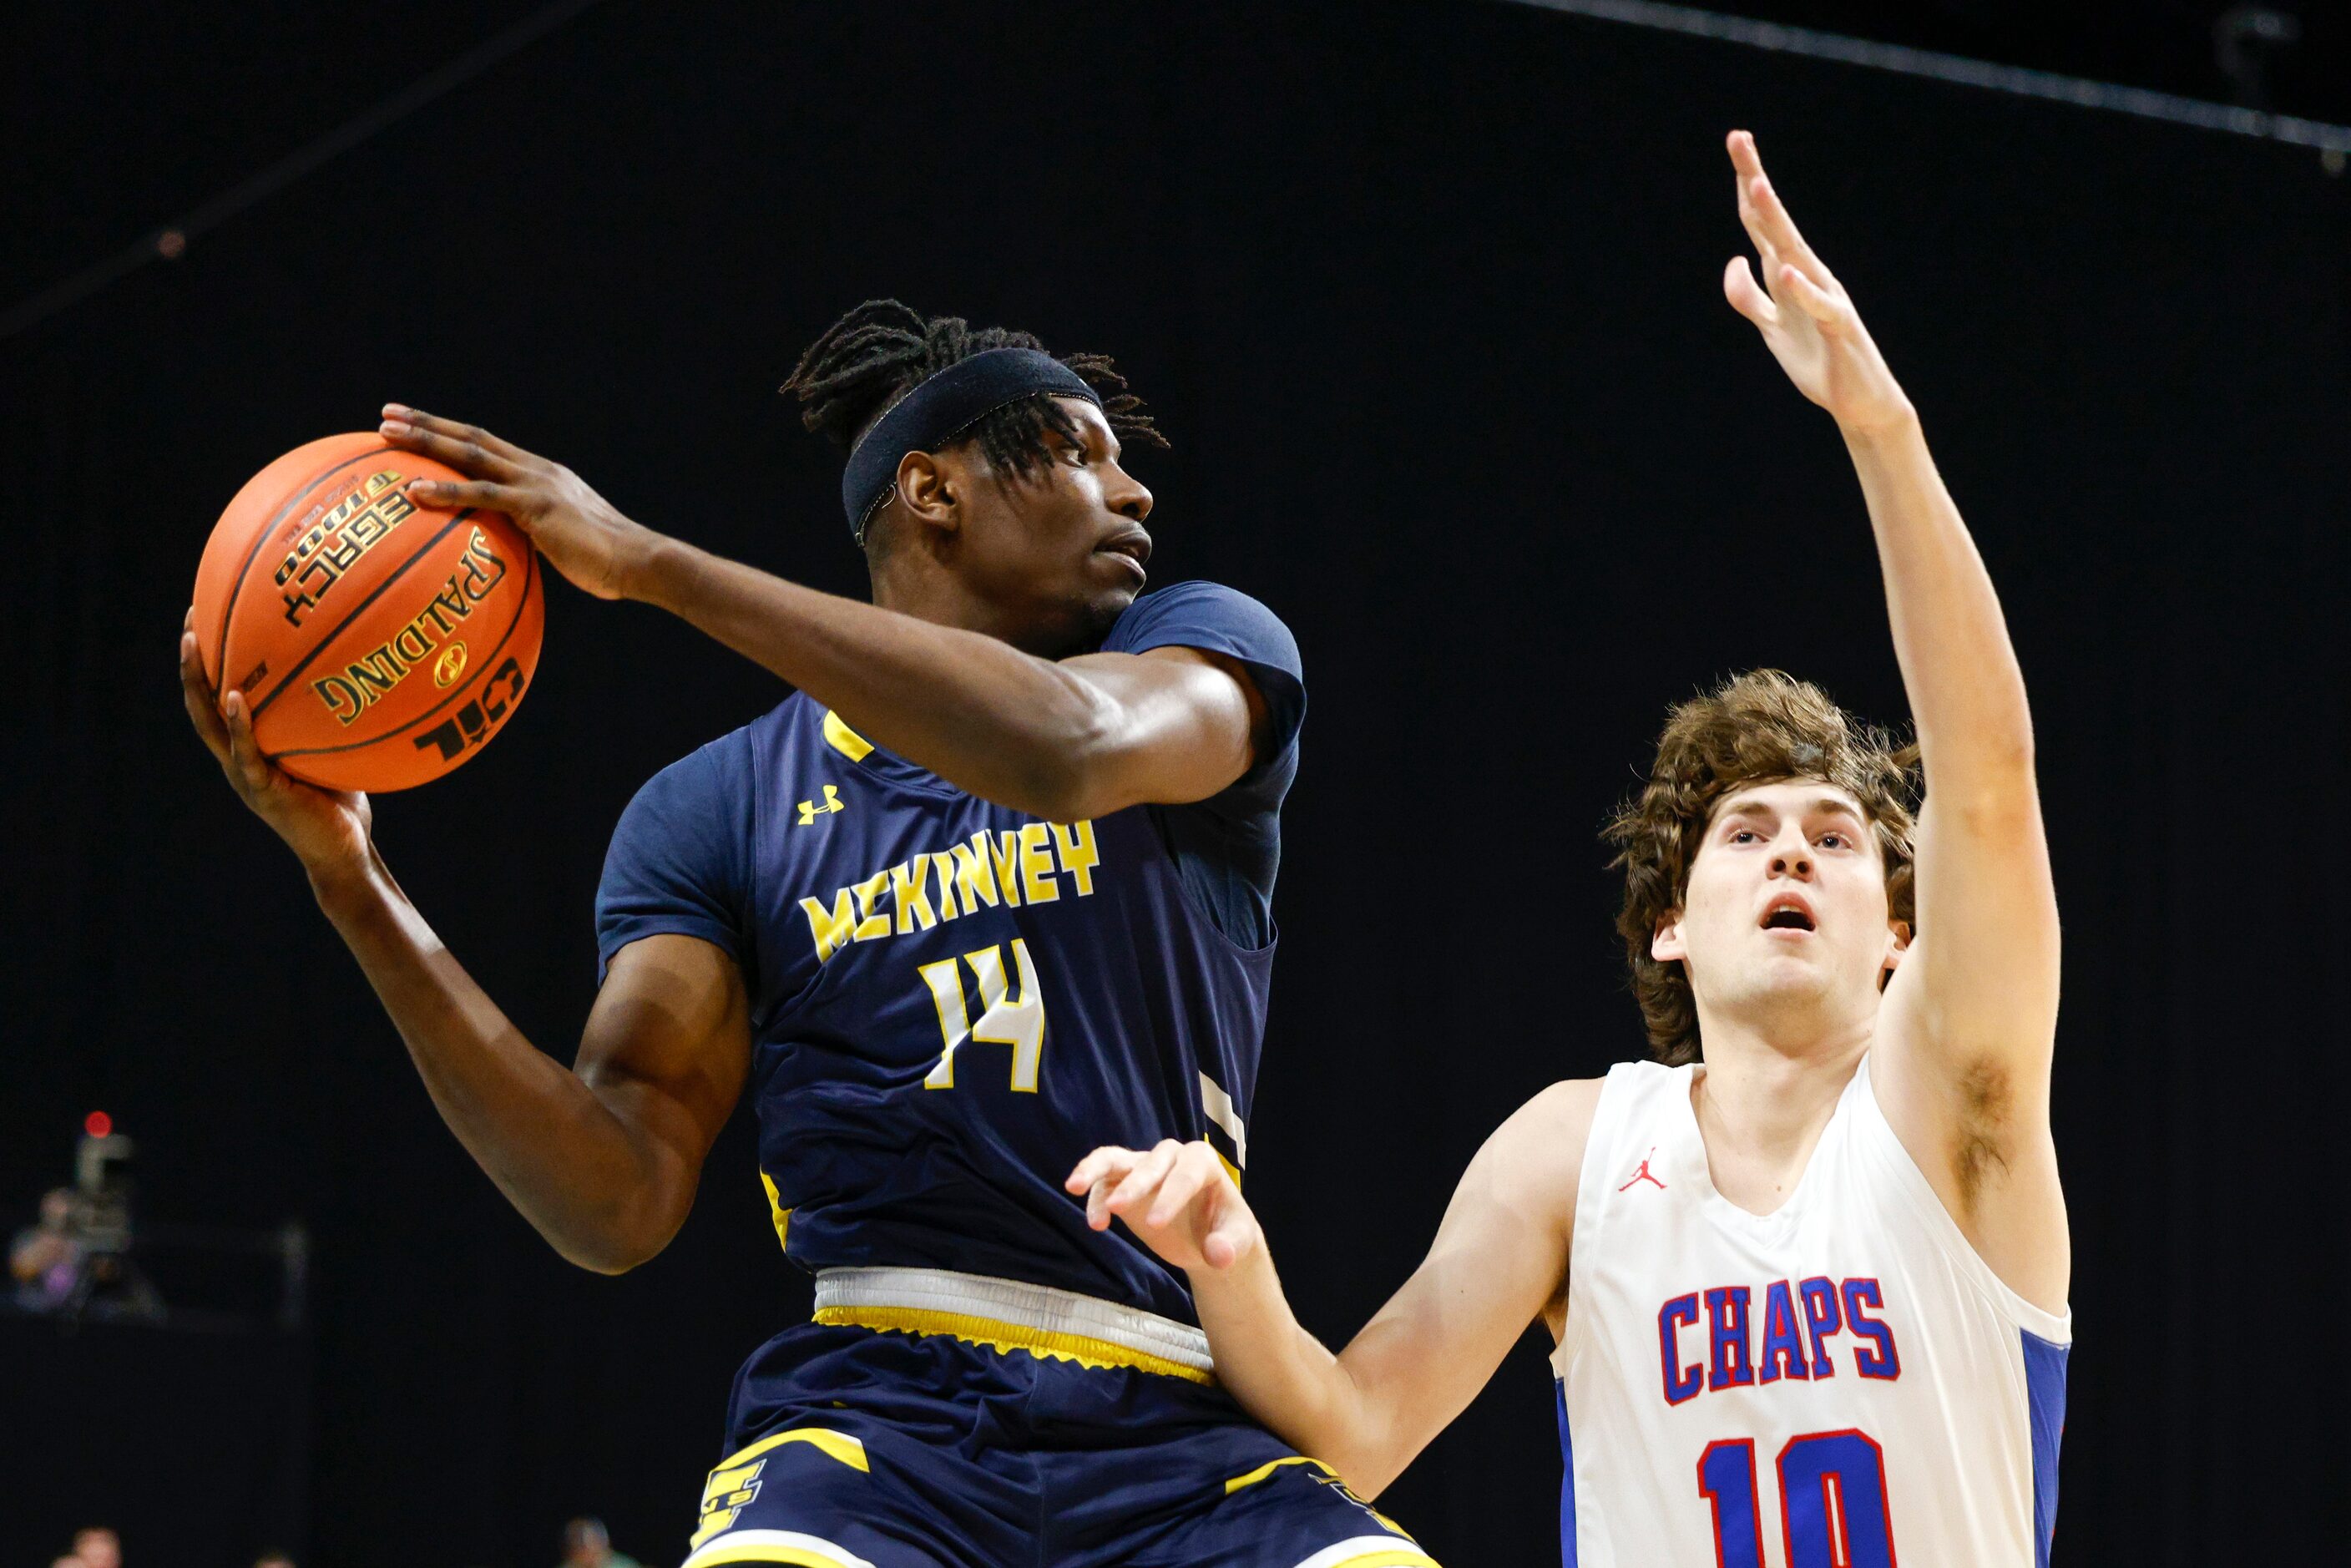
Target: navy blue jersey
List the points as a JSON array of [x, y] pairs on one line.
[[951, 1001]]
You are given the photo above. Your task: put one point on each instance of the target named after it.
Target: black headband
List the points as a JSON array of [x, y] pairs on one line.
[[942, 408]]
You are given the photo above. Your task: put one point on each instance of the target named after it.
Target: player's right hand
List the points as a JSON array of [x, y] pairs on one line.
[[327, 829], [1177, 1198], [582, 535]]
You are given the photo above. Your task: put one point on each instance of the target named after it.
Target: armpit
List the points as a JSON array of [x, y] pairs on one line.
[[1987, 1101]]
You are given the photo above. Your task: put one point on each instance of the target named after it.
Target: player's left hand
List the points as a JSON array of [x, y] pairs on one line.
[[1176, 1197], [1806, 317], [582, 535]]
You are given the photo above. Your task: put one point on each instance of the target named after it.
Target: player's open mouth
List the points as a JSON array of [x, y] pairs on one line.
[[1788, 913]]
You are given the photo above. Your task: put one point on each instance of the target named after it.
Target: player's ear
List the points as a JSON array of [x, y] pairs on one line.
[[931, 490], [1665, 943], [1897, 943]]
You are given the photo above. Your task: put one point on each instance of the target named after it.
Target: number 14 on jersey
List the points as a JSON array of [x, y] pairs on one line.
[[1005, 1018]]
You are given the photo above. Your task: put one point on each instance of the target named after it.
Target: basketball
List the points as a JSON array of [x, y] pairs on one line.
[[378, 643]]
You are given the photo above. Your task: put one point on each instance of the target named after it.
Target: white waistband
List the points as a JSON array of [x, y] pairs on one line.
[[1037, 1310]]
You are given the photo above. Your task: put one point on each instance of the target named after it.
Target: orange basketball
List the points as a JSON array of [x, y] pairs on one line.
[[378, 643]]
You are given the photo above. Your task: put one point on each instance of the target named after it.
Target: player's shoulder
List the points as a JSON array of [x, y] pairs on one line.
[[1195, 592], [1538, 1148], [1559, 1115], [716, 782], [1204, 614], [711, 765]]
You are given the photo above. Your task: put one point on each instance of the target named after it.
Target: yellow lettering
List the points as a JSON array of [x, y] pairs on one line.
[[1004, 1021], [1036, 882], [377, 674], [906, 891], [1004, 853], [973, 875], [1079, 856], [452, 599], [336, 691], [954, 1018], [945, 864], [830, 928], [480, 568], [411, 644], [871, 925]]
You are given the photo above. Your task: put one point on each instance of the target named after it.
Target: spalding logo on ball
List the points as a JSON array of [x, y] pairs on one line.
[[378, 643]]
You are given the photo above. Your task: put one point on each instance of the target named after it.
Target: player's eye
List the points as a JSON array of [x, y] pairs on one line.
[[1835, 842]]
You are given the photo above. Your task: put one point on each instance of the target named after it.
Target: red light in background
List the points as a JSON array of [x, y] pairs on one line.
[[97, 1124]]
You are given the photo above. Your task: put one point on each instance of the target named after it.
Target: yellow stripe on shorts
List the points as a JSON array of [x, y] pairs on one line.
[[849, 1450], [1371, 1551], [783, 1546], [1264, 1470], [1376, 1560], [1002, 1336]]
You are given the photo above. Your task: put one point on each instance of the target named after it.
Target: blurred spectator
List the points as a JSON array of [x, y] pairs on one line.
[[68, 1561], [585, 1545], [273, 1560], [98, 1547], [45, 1258]]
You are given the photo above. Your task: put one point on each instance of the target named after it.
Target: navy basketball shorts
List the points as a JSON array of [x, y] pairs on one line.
[[930, 1419]]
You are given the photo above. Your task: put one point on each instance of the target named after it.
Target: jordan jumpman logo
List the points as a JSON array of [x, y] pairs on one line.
[[1644, 1174]]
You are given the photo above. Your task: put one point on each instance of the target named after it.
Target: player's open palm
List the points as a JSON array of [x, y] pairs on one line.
[[327, 829], [581, 534], [1177, 1198], [1806, 317]]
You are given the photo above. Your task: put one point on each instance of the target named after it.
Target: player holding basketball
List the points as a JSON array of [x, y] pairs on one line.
[[992, 885], [1806, 1276]]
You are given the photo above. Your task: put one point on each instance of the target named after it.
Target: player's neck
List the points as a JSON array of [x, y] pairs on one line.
[[1762, 1105], [942, 599]]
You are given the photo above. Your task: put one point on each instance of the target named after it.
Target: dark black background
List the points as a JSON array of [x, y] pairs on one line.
[[1427, 297], [2170, 46]]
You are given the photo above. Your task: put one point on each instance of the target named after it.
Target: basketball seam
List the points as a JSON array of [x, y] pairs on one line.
[[323, 643], [529, 583], [228, 611]]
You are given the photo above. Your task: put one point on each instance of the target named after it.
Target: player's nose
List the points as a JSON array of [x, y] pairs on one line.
[[1126, 495]]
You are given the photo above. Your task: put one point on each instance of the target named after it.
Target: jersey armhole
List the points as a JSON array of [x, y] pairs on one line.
[[1619, 1084], [1885, 1145]]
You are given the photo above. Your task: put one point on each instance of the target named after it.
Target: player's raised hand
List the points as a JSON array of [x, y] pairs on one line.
[[327, 829], [1806, 317], [582, 535], [1177, 1196]]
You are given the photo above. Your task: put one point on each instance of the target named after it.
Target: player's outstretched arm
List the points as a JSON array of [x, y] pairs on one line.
[[1961, 1060], [603, 1159], [1498, 1259], [1064, 740]]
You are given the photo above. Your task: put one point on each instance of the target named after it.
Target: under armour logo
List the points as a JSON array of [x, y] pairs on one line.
[[810, 810], [1644, 1174]]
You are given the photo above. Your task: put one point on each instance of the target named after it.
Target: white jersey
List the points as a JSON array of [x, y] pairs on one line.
[[1843, 1384]]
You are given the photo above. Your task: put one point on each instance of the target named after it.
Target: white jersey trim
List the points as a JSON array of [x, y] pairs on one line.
[[1039, 1309]]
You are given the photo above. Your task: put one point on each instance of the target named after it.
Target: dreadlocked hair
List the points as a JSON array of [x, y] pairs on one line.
[[874, 355], [1755, 729]]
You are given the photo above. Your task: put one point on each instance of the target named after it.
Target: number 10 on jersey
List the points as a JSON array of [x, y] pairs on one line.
[[1832, 1512], [1004, 1019]]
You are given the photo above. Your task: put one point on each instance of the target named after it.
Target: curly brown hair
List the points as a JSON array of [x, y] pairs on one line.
[[1755, 729]]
